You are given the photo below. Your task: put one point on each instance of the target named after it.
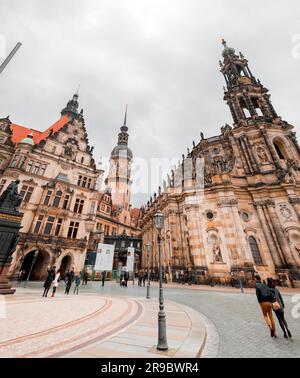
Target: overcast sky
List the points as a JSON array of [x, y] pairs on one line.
[[159, 56]]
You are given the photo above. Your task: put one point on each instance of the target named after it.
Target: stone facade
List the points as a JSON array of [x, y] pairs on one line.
[[240, 214], [63, 206]]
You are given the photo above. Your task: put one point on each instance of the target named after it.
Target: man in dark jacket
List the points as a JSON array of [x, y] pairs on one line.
[[69, 279], [103, 277], [265, 298]]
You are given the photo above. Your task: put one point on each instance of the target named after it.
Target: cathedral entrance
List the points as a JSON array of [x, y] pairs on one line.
[[39, 268], [65, 265]]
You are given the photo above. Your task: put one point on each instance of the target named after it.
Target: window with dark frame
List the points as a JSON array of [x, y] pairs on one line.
[[57, 199], [58, 226], [49, 225], [66, 201], [47, 198], [73, 230], [38, 224], [26, 193]]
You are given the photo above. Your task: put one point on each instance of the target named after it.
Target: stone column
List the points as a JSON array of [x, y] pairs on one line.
[[295, 202], [275, 254], [288, 254]]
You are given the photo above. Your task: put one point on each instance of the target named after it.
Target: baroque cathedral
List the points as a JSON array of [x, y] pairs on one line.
[[66, 213], [246, 216]]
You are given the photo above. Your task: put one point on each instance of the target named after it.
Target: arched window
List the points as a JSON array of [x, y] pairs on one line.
[[255, 251], [280, 151]]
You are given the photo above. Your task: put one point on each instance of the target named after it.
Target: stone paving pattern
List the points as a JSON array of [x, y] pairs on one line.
[[235, 325]]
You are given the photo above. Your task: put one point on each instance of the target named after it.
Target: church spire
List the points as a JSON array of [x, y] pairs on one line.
[[71, 110], [246, 97], [123, 135]]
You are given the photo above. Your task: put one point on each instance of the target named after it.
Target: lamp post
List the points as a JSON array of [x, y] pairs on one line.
[[148, 269], [36, 253], [162, 331]]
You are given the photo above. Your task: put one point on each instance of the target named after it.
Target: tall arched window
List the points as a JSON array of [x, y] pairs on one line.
[[280, 151], [57, 198], [255, 251]]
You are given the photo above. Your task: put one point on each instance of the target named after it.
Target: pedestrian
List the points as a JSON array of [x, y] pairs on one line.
[[68, 280], [145, 275], [103, 278], [278, 308], [265, 298], [77, 284], [140, 277], [85, 278], [49, 280], [55, 283], [126, 278], [121, 279], [177, 276]]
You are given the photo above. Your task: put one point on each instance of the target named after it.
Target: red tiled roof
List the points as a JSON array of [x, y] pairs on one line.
[[21, 132]]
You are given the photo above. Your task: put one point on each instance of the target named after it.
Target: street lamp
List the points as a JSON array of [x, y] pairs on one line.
[[36, 253], [148, 269], [162, 334]]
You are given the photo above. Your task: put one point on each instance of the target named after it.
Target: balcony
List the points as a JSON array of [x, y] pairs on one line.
[[53, 240]]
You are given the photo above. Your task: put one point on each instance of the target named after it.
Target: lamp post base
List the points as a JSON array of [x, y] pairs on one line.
[[162, 332]]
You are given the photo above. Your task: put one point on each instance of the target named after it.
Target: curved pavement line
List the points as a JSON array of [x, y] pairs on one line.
[[104, 336], [107, 304], [210, 348]]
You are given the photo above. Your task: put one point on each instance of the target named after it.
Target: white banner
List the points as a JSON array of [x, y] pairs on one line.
[[105, 257], [130, 259]]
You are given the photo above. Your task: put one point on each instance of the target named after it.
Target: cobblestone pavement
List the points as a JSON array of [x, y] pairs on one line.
[[236, 325]]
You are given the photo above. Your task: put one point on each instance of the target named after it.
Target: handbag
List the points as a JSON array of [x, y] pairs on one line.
[[276, 306]]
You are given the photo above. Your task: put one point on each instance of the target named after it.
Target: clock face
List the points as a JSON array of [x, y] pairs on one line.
[[244, 80]]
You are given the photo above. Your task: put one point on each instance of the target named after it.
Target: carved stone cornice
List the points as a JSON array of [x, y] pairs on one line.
[[294, 200], [227, 202], [264, 203]]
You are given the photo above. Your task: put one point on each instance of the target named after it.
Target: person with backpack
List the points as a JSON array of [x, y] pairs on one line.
[[265, 298], [278, 308]]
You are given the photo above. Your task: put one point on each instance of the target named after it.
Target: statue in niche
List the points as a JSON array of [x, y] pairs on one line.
[[217, 254], [285, 211], [262, 155]]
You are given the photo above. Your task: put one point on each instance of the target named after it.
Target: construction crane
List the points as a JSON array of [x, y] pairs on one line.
[[10, 56]]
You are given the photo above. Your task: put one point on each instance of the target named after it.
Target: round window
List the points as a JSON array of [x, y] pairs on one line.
[[245, 216], [210, 215]]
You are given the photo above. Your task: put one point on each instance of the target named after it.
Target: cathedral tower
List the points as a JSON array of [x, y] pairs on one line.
[[119, 180]]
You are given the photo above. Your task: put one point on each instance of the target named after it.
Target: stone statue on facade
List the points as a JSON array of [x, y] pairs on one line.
[[217, 254], [10, 198]]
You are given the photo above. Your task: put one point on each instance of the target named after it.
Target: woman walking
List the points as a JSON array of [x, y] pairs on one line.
[[278, 308], [49, 280], [77, 284], [55, 283]]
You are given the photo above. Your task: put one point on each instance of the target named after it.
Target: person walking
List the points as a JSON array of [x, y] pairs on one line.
[[140, 277], [55, 283], [77, 284], [68, 280], [278, 308], [126, 278], [49, 280], [265, 298], [85, 278], [103, 278], [145, 276]]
